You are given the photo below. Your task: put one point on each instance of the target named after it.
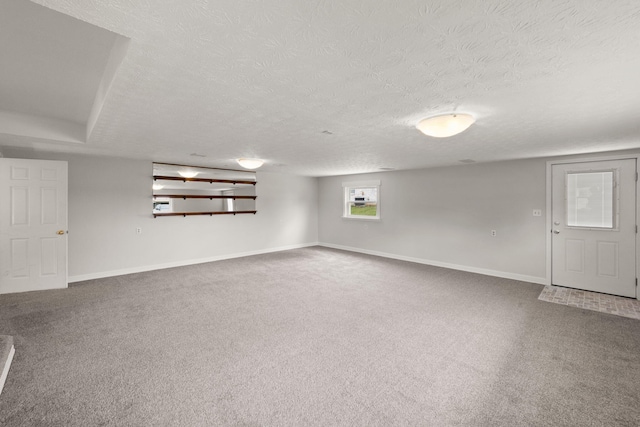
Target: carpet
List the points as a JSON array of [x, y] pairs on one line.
[[314, 337]]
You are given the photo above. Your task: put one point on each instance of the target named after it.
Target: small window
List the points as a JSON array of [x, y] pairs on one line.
[[590, 199], [162, 205], [362, 200]]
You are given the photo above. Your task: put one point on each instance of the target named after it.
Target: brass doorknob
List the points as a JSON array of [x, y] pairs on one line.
[[61, 232]]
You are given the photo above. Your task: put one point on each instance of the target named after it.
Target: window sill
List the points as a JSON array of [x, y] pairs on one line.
[[364, 218]]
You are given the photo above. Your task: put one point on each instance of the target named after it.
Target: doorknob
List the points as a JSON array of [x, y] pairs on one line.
[[556, 231], [60, 232]]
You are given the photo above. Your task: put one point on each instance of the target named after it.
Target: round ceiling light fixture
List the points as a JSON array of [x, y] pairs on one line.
[[445, 125], [188, 174], [250, 163]]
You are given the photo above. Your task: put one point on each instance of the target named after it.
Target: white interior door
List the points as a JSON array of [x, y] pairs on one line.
[[594, 226], [33, 225]]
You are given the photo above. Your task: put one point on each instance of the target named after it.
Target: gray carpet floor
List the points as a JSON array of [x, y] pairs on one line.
[[319, 337]]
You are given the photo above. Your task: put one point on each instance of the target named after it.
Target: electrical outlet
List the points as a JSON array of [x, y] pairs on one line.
[[139, 230], [493, 233], [537, 212]]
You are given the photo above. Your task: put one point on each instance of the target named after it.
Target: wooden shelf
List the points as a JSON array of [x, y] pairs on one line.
[[209, 191], [209, 180], [201, 196], [202, 213]]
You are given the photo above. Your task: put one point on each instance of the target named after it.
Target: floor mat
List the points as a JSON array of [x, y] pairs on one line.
[[620, 306]]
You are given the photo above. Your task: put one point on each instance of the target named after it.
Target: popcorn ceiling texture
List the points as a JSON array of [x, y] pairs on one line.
[[266, 78]]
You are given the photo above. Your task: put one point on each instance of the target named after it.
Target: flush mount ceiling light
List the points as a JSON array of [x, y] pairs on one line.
[[445, 125], [188, 174], [250, 163]]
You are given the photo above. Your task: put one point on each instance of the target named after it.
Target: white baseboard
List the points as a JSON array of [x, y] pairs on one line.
[[487, 272], [142, 269], [5, 371]]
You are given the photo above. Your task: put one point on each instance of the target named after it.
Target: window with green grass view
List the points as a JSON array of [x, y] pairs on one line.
[[362, 201]]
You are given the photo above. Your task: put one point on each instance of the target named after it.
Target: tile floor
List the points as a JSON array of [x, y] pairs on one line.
[[620, 306]]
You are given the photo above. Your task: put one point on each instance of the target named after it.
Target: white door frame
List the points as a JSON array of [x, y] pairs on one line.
[[548, 221]]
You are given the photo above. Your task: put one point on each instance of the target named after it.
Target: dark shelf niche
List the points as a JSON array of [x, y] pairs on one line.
[[185, 214], [209, 180]]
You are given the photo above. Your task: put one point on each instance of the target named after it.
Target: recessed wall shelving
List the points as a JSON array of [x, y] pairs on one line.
[[183, 190]]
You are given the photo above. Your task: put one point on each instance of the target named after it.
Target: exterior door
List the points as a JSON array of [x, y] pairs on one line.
[[33, 225], [594, 226]]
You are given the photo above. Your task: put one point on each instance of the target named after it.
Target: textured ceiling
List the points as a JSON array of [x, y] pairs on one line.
[[335, 87]]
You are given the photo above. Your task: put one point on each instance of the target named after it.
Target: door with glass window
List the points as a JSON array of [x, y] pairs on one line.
[[594, 226]]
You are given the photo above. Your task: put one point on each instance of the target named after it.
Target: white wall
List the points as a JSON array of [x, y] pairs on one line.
[[439, 216], [110, 197], [444, 216]]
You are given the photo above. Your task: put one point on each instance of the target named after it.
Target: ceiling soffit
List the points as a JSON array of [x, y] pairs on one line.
[[55, 72]]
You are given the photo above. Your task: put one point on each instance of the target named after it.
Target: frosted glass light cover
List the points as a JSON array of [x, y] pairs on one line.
[[250, 163], [188, 174], [445, 125]]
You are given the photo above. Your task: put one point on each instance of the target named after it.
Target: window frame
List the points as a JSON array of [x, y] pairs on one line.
[[346, 203]]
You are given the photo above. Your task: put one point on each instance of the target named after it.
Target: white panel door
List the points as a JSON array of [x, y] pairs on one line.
[[594, 226], [33, 225]]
